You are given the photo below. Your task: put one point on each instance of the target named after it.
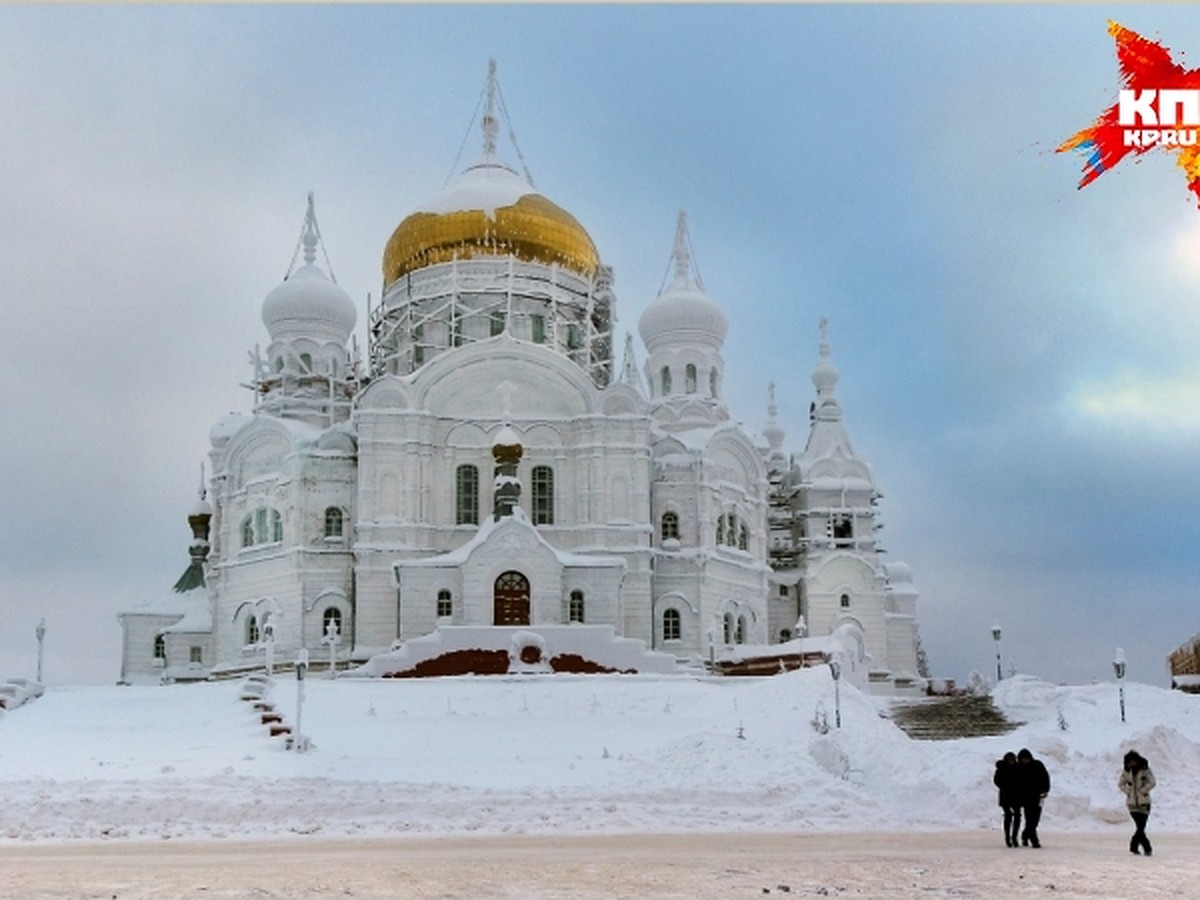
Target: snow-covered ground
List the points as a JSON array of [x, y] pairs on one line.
[[564, 754]]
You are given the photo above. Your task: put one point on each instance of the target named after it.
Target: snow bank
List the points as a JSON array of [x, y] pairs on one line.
[[564, 754]]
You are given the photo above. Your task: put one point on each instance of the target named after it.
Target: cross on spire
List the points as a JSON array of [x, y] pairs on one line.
[[489, 124]]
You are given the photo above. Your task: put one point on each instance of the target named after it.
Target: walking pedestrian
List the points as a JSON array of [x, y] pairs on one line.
[[1033, 784], [1005, 780], [1137, 781]]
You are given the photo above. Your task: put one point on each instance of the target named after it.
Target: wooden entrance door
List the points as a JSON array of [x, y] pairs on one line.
[[511, 600]]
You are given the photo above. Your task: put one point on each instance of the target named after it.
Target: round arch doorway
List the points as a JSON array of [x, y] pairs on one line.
[[510, 599]]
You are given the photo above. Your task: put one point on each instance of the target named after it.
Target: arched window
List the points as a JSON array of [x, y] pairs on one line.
[[670, 526], [537, 328], [248, 531], [666, 380], [252, 630], [276, 526], [740, 636], [672, 627], [445, 604], [575, 607], [333, 522], [466, 488], [845, 601], [720, 529], [542, 495], [160, 647], [743, 537], [727, 630], [332, 615], [306, 362], [689, 379], [712, 383], [731, 530]]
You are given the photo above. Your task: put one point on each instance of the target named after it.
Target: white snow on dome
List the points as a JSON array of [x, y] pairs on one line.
[[312, 303], [683, 314], [226, 427], [487, 187]]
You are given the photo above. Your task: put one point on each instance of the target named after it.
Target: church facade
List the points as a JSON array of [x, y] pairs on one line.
[[490, 463]]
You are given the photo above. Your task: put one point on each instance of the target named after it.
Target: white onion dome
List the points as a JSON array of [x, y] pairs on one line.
[[200, 508], [683, 314], [774, 434], [309, 303], [825, 375], [489, 210], [226, 427]]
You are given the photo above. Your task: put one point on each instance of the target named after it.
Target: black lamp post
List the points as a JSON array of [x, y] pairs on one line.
[[996, 638], [835, 669], [1119, 671]]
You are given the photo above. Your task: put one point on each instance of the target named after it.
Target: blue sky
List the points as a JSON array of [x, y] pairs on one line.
[[1018, 359]]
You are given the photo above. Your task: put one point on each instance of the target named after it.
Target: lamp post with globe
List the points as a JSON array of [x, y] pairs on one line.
[[1119, 671]]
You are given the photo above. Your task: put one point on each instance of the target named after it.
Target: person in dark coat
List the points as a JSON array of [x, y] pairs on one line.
[[1033, 784], [1137, 781], [1005, 780]]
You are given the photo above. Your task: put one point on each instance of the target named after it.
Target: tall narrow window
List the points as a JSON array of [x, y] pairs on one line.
[[418, 339], [497, 323], [445, 604], [666, 380], [542, 495], [689, 379], [575, 607], [670, 526], [456, 332], [160, 647], [537, 328], [573, 341], [467, 496], [248, 532], [261, 534], [712, 383], [743, 537], [727, 631], [671, 626], [739, 636], [333, 522], [276, 526], [252, 630]]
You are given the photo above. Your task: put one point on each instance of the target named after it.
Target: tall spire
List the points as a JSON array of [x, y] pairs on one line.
[[491, 127], [686, 273], [773, 431], [308, 234]]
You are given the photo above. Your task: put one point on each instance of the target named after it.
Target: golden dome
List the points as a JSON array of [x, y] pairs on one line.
[[489, 211]]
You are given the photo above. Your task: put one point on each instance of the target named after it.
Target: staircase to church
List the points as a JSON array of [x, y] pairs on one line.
[[948, 718]]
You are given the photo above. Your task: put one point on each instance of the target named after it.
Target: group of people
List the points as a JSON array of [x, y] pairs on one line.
[[1024, 782]]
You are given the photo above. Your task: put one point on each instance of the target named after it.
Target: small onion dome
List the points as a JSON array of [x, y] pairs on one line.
[[683, 314], [825, 375], [774, 434], [507, 446], [309, 304], [489, 210], [200, 508], [226, 427]]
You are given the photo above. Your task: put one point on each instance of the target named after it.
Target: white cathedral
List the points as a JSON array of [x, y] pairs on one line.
[[490, 474]]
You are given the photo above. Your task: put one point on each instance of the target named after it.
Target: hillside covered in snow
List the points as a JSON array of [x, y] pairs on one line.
[[566, 754]]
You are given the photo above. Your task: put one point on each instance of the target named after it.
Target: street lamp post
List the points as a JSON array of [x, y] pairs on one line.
[[299, 742], [40, 631], [1119, 671], [269, 641], [332, 638], [835, 669], [996, 638]]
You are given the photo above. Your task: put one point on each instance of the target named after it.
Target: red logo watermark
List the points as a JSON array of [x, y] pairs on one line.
[[1158, 107]]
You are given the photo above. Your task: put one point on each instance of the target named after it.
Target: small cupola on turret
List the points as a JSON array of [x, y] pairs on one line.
[[506, 452], [683, 330], [308, 372], [199, 519]]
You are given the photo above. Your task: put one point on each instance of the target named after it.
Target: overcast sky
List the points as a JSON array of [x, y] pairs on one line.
[[1018, 358]]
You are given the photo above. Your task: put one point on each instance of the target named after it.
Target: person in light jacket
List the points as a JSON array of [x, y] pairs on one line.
[[1137, 781]]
